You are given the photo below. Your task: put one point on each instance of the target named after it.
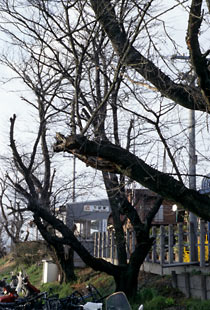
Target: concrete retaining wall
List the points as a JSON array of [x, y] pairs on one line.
[[197, 286]]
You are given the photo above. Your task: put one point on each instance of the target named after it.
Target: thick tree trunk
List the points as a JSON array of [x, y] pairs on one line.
[[67, 266], [65, 262], [127, 279], [112, 189]]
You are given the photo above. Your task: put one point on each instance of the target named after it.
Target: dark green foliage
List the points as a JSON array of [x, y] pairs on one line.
[[151, 300], [198, 305], [159, 302], [146, 294]]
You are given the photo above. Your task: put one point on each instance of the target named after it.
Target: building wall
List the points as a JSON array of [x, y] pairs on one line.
[[144, 199]]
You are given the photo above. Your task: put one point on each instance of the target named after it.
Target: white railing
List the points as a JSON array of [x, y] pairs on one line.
[[174, 244]]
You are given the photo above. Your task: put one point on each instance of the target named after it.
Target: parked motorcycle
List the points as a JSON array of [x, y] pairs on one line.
[[24, 286], [29, 288], [10, 292], [116, 301], [44, 301], [119, 301], [10, 295]]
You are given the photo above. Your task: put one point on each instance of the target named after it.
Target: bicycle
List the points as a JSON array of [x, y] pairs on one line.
[[26, 303], [42, 301], [74, 301]]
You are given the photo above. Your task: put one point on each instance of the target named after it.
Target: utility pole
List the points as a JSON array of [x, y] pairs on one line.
[[192, 156], [192, 185], [74, 179], [192, 176]]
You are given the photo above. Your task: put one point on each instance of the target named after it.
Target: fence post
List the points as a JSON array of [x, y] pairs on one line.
[[112, 247], [193, 243], [102, 244], [202, 243], [99, 244], [180, 242], [95, 244], [170, 244], [162, 244], [107, 244], [154, 247]]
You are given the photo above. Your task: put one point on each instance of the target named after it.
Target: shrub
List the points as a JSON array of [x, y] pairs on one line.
[[146, 294], [198, 305], [158, 302]]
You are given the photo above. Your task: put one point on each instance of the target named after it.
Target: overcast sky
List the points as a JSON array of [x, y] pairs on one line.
[[11, 104], [10, 92]]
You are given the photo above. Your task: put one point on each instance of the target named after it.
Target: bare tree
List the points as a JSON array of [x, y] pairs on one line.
[[13, 221], [117, 100], [35, 176], [37, 183]]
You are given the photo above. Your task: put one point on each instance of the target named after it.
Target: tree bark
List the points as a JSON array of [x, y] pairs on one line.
[[198, 59], [112, 189], [127, 279]]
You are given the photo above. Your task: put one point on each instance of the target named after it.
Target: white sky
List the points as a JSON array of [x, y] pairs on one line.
[[10, 92], [11, 104]]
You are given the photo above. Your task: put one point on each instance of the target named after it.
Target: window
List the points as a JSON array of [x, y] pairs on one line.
[[159, 215]]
